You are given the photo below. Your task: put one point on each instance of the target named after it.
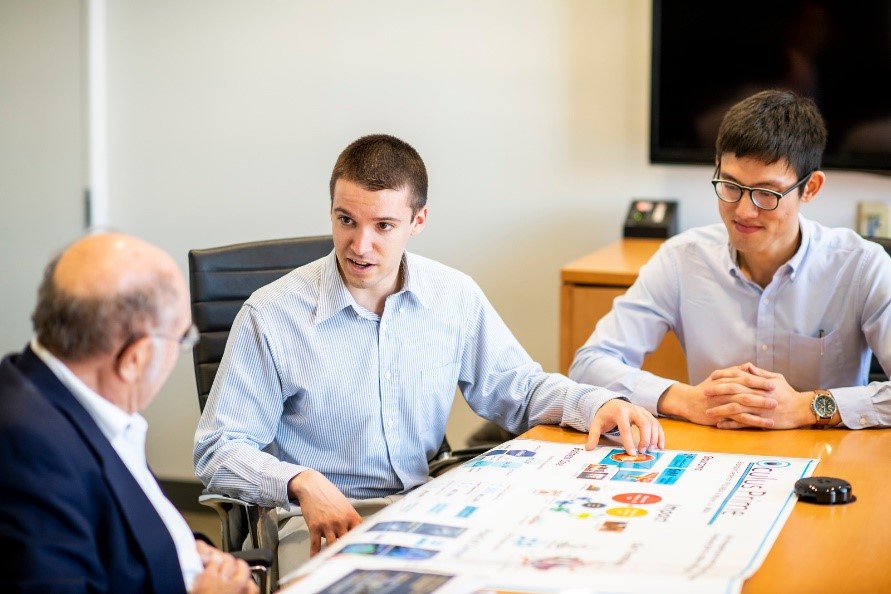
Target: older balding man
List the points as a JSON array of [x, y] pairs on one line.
[[80, 511]]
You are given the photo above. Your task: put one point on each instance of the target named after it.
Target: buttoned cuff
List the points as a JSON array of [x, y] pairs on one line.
[[648, 390], [275, 479], [856, 407]]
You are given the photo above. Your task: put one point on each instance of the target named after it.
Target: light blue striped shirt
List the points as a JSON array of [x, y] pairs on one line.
[[818, 321], [310, 379]]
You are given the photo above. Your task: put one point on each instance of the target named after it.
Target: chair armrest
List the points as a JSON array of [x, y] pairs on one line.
[[254, 526], [260, 562], [241, 521], [444, 462], [255, 558]]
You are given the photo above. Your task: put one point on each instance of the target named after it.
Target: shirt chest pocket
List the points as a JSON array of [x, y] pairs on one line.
[[814, 360], [432, 391], [439, 380]]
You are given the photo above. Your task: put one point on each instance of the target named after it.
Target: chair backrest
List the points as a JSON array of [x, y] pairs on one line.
[[876, 373], [222, 278]]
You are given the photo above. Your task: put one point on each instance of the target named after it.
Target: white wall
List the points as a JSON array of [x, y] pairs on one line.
[[225, 118], [42, 143]]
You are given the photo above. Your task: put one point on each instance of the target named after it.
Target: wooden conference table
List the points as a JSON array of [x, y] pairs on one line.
[[822, 548]]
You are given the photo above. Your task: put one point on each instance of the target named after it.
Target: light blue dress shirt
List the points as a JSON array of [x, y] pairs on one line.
[[310, 379], [818, 321]]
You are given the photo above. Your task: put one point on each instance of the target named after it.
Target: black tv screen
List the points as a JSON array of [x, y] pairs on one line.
[[707, 55]]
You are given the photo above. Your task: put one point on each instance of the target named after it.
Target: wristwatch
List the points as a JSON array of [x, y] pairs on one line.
[[823, 405]]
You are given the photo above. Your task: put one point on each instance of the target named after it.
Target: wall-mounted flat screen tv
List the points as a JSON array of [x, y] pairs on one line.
[[707, 55]]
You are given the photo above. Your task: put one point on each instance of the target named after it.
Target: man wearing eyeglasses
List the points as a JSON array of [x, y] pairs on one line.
[[778, 315], [80, 511]]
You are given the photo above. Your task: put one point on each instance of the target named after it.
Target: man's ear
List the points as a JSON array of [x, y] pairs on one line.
[[419, 220], [813, 185], [135, 359]]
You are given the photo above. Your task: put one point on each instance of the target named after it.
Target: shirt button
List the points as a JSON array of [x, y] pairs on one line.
[[864, 421], [766, 301], [387, 375], [764, 347]]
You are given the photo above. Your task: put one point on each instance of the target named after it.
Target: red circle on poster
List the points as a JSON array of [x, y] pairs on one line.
[[638, 498]]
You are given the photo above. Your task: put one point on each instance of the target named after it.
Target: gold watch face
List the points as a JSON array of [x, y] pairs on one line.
[[824, 406]]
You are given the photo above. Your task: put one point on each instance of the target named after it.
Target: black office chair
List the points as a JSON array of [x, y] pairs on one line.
[[876, 373], [221, 279]]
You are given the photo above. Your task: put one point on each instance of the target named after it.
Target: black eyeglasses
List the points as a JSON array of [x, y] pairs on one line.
[[763, 198]]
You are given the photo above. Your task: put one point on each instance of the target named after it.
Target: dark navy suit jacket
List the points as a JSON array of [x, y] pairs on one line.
[[72, 517]]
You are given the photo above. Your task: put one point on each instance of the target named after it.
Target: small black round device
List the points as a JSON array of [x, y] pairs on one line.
[[825, 490]]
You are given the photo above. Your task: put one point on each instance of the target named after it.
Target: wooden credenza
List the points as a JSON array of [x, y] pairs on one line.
[[588, 288]]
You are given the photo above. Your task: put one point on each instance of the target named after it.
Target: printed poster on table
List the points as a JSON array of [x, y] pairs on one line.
[[539, 517]]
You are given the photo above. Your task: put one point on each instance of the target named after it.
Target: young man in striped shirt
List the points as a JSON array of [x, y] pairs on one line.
[[338, 379]]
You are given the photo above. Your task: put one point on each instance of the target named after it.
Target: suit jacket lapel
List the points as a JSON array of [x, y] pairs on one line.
[[149, 532]]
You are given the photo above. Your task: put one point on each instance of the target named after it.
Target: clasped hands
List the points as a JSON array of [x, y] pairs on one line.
[[740, 397]]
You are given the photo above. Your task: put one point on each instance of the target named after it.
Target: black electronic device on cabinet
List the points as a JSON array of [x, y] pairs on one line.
[[651, 218]]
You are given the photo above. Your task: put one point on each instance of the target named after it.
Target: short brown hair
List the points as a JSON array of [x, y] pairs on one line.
[[383, 162]]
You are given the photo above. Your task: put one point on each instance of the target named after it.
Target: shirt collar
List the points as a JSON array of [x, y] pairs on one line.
[[807, 232], [806, 228], [731, 260], [112, 420], [415, 284], [334, 296]]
